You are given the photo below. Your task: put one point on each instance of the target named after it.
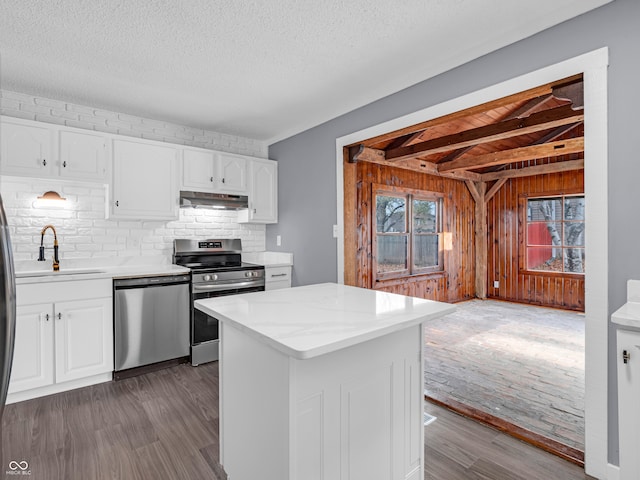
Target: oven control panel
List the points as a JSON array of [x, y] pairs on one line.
[[210, 244]]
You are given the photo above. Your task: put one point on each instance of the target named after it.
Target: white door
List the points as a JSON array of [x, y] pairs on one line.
[[198, 170], [26, 149], [84, 338], [232, 174], [144, 184], [83, 156], [264, 194], [33, 352]]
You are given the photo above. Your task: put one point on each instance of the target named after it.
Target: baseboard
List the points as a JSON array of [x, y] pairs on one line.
[[58, 387]]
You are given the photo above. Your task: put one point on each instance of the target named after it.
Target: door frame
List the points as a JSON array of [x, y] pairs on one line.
[[593, 65]]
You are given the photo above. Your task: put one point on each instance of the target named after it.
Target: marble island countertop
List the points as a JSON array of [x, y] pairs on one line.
[[305, 322], [73, 270]]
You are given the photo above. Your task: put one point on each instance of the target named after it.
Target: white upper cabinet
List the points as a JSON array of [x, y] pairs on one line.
[[143, 180], [210, 171], [263, 193], [198, 170], [43, 150], [232, 173], [27, 148], [83, 155]]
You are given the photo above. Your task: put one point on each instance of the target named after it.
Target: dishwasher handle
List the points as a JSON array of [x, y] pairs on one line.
[[155, 281]]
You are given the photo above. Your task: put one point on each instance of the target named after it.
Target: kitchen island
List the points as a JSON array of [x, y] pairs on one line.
[[322, 381]]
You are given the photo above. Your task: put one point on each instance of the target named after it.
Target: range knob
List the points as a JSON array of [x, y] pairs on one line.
[[208, 278]]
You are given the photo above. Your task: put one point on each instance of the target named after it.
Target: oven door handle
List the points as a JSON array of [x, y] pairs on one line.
[[227, 286]]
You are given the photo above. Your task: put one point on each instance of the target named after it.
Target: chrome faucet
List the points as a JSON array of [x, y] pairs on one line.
[[56, 262]]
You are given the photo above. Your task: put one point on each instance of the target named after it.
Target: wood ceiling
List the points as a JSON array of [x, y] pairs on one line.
[[534, 132]]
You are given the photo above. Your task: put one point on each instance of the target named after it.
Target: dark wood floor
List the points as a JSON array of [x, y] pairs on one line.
[[164, 425]]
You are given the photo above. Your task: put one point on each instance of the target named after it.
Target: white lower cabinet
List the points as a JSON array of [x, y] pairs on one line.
[[277, 277], [628, 401], [61, 344]]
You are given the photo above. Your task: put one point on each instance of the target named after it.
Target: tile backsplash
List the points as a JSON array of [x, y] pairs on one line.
[[85, 232]]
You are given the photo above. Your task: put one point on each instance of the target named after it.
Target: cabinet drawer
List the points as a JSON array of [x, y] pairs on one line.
[[277, 274]]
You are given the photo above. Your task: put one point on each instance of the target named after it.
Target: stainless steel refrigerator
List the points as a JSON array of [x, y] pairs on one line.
[[7, 314]]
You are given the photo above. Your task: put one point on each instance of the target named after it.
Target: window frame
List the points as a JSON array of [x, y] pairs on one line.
[[409, 195], [524, 240]]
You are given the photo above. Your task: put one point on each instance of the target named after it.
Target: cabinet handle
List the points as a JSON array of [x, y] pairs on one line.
[[223, 180], [46, 317], [44, 162], [254, 211], [211, 179], [279, 275], [117, 203], [626, 356], [59, 316], [64, 164]]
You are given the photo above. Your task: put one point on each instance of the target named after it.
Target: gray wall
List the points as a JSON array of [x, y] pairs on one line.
[[307, 172]]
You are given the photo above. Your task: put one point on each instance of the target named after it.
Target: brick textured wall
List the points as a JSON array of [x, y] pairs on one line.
[[13, 104], [82, 226]]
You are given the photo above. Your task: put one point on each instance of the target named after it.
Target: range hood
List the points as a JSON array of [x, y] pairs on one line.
[[213, 200]]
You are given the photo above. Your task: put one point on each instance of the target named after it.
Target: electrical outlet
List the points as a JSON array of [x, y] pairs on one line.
[[279, 240], [496, 284]]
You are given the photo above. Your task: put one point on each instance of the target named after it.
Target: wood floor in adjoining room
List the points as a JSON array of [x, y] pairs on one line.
[[164, 425], [520, 363]]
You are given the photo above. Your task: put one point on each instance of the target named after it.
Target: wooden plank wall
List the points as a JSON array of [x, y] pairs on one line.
[[456, 283], [504, 231]]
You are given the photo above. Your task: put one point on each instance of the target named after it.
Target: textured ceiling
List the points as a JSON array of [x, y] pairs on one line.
[[260, 69]]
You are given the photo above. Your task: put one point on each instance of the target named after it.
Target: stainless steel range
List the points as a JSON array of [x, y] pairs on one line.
[[216, 270]]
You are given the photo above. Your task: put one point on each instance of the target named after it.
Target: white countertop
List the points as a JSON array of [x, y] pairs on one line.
[[305, 322], [74, 270], [628, 315], [269, 259]]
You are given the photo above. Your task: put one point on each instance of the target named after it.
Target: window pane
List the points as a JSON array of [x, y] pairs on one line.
[[544, 258], [574, 208], [574, 234], [544, 209], [425, 216], [425, 251], [544, 233], [392, 253], [390, 214], [574, 260]]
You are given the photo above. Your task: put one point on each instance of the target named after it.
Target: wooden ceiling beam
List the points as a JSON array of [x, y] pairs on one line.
[[551, 149], [536, 122], [360, 153], [535, 170]]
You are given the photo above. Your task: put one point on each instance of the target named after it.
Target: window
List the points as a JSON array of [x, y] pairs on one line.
[[555, 234], [408, 238]]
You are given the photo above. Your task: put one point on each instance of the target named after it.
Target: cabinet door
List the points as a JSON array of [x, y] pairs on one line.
[[264, 194], [84, 338], [628, 401], [144, 184], [33, 351], [83, 156], [26, 149], [198, 170], [232, 174]]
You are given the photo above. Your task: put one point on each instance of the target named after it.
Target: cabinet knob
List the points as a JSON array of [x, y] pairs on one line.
[[223, 180], [59, 316], [64, 164], [211, 179], [117, 203], [254, 211], [44, 162], [46, 317]]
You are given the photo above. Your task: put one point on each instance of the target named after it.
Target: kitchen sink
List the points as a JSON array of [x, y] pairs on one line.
[[62, 272]]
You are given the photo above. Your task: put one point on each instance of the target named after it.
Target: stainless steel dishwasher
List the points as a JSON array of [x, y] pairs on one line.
[[152, 317]]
